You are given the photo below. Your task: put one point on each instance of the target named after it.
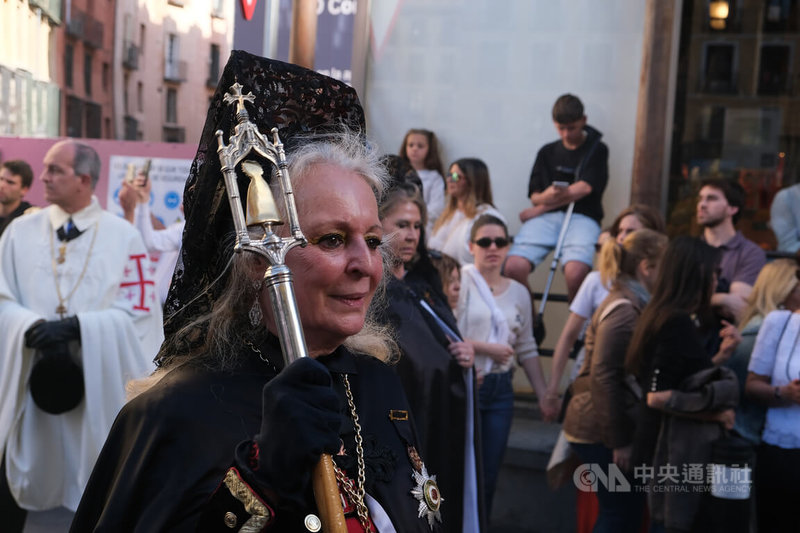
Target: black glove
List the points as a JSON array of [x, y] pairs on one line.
[[53, 332], [300, 421]]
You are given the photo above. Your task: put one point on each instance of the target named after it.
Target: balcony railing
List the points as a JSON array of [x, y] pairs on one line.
[[76, 24], [175, 71], [50, 8], [130, 56], [93, 32]]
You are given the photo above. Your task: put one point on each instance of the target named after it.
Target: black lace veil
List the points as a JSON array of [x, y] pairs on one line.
[[293, 99]]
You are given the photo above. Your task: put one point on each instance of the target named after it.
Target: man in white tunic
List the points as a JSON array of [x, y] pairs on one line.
[[75, 283]]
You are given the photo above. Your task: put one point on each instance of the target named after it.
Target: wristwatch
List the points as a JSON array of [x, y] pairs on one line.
[[778, 394]]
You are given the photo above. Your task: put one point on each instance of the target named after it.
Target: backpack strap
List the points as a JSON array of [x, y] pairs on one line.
[[610, 307]]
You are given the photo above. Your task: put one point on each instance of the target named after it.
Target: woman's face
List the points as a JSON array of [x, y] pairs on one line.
[[417, 150], [452, 287], [456, 182], [628, 225], [337, 273], [402, 228], [493, 255]]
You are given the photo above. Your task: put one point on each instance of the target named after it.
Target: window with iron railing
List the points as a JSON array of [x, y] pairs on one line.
[[174, 68]]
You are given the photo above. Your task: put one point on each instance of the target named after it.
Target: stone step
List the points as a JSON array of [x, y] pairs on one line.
[[523, 501]]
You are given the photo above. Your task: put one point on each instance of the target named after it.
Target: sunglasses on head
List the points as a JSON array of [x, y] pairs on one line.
[[500, 242]]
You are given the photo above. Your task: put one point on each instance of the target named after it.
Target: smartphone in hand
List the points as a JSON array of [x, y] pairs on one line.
[[561, 184]]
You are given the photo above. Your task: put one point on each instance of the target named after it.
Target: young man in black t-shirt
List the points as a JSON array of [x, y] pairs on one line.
[[572, 169]]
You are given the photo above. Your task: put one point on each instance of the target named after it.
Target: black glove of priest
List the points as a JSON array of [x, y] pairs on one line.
[[47, 332], [300, 421]]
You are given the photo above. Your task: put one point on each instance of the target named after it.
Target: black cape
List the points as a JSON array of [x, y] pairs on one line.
[[435, 385], [170, 447]]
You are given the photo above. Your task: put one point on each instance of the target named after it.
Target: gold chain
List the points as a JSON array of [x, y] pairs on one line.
[[261, 356], [357, 495], [62, 309]]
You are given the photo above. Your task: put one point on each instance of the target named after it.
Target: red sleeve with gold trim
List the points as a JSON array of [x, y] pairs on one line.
[[235, 506]]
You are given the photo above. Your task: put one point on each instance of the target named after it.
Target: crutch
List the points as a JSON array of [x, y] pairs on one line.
[[556, 257]]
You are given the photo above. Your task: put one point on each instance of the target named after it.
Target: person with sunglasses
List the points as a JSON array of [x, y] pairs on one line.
[[495, 314], [469, 195]]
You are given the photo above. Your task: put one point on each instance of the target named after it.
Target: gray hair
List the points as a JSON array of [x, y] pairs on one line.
[[349, 150], [345, 149], [86, 161]]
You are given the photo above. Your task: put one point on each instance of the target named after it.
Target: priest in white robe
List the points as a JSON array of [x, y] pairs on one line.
[[73, 279]]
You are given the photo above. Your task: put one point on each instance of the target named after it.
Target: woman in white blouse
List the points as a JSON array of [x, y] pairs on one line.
[[469, 195], [774, 380], [494, 314]]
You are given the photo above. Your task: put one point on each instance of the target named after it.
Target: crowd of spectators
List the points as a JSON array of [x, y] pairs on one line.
[[679, 344]]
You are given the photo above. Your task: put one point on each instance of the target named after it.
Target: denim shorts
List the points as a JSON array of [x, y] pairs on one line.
[[539, 235]]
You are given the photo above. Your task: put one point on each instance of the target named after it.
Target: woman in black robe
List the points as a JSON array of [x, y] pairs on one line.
[[435, 366], [206, 445]]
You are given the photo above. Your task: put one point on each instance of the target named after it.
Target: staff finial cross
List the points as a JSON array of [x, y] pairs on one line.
[[235, 95]]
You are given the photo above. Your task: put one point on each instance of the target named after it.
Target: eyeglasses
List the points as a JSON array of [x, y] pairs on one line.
[[500, 242], [454, 176]]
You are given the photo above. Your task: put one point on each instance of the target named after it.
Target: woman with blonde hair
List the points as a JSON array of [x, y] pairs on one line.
[[598, 422], [469, 195], [591, 294], [771, 291]]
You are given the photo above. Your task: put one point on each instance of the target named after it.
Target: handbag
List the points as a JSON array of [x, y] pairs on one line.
[[56, 380]]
